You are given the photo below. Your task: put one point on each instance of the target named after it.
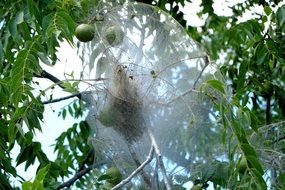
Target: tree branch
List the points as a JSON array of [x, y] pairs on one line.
[[137, 162], [79, 174], [78, 95], [193, 88], [159, 160], [140, 168], [154, 148], [45, 74]]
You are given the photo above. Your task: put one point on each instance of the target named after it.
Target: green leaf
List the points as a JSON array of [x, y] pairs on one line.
[[23, 70], [42, 173], [70, 110], [267, 10], [69, 26], [244, 117], [32, 14], [84, 129], [25, 154], [254, 162], [260, 53], [281, 180], [104, 177], [4, 182], [43, 57], [68, 87], [264, 19], [12, 132], [253, 121], [64, 114], [218, 85], [33, 115], [4, 90], [13, 26], [280, 15], [259, 179], [20, 129], [248, 150], [59, 24], [1, 52], [7, 166], [24, 31], [241, 79], [38, 185], [75, 84], [220, 176], [27, 185]]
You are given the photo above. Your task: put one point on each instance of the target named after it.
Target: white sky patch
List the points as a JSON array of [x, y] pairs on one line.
[[222, 7], [190, 11]]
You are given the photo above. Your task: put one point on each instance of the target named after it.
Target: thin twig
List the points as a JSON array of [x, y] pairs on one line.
[[137, 162], [193, 88], [155, 184], [159, 160], [75, 177], [140, 168], [62, 98], [78, 95], [58, 82], [207, 62]]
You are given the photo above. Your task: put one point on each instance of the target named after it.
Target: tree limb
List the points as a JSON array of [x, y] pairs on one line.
[[78, 95], [159, 160], [154, 148], [140, 168], [45, 74], [137, 162], [79, 174], [76, 177]]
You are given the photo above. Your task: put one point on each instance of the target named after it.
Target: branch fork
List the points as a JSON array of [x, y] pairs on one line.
[[153, 149]]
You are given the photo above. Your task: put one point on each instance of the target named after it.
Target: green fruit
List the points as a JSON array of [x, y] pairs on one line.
[[84, 32], [114, 35], [242, 165], [115, 175], [196, 187]]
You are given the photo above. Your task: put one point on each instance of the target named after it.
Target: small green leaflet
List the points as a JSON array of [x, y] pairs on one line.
[[218, 85]]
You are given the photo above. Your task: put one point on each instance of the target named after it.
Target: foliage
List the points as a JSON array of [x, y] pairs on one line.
[[250, 55]]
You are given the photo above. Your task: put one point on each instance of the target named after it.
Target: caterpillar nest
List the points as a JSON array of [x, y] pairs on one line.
[[123, 111]]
